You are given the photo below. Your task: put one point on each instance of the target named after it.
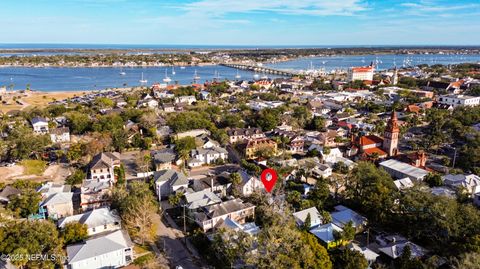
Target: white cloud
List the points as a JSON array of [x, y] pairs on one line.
[[437, 7], [218, 8]]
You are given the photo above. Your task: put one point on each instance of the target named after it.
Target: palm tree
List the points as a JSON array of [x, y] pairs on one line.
[[184, 154]]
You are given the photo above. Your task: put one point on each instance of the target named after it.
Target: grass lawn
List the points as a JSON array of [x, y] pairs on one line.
[[34, 167], [138, 249]]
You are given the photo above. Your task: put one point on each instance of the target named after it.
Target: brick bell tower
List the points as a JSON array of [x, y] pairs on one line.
[[390, 137]]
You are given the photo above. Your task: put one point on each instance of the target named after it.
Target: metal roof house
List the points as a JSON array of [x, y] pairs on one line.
[[401, 170], [112, 250]]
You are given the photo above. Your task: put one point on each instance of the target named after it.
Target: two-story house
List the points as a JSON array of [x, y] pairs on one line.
[[102, 166], [238, 135], [60, 135], [168, 182], [213, 215], [40, 125], [203, 156], [105, 250]]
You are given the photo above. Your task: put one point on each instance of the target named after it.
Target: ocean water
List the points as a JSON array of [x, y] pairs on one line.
[[80, 79]]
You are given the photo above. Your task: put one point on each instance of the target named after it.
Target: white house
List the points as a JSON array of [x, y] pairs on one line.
[[112, 250], [148, 101], [369, 254], [458, 100], [60, 135], [169, 181], [249, 183], [203, 156], [395, 249], [242, 134], [326, 232], [40, 125], [102, 166], [322, 170], [98, 221], [471, 182], [301, 216], [404, 183], [185, 99], [58, 205], [332, 157]]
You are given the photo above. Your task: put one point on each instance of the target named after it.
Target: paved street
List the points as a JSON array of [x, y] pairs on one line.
[[175, 251]]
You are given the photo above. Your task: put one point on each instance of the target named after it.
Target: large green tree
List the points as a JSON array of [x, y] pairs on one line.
[[137, 207], [74, 232], [371, 190], [32, 237]]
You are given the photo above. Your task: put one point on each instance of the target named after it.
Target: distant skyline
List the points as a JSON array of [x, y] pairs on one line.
[[241, 22]]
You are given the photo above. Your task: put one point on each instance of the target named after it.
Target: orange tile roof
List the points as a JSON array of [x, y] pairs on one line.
[[370, 140], [371, 151], [413, 108], [362, 69]]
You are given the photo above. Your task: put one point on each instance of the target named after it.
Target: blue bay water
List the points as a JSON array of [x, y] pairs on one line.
[[90, 78], [383, 62], [79, 79]]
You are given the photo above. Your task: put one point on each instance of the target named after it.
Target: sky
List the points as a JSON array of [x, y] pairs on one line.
[[242, 22]]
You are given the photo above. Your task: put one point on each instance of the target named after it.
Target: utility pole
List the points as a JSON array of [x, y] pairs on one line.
[[184, 226], [368, 236], [184, 222], [454, 157]]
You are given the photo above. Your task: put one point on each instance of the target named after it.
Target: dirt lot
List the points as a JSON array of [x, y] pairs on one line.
[[40, 99], [55, 173]]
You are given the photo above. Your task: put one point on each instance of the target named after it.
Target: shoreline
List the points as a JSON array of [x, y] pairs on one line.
[[291, 58]]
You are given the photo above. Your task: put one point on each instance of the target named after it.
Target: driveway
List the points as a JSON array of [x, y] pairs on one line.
[[128, 160], [170, 241]]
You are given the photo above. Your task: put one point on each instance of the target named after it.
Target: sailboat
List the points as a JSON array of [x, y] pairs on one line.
[[237, 76], [195, 76], [143, 81], [217, 75], [173, 70], [122, 73], [166, 79]]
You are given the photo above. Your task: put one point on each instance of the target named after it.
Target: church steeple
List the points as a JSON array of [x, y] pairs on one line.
[[390, 139], [395, 76]]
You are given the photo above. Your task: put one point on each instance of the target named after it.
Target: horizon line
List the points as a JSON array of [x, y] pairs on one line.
[[240, 45]]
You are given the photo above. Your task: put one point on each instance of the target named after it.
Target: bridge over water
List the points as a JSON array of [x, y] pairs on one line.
[[262, 69]]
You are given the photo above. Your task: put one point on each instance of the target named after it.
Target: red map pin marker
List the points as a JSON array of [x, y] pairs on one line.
[[269, 177]]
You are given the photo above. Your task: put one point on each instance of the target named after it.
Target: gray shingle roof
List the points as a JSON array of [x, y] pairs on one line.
[[104, 160], [227, 207], [8, 191], [164, 156], [173, 177], [38, 119]]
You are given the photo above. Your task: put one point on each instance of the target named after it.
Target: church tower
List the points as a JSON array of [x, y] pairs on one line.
[[390, 138], [395, 76]]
